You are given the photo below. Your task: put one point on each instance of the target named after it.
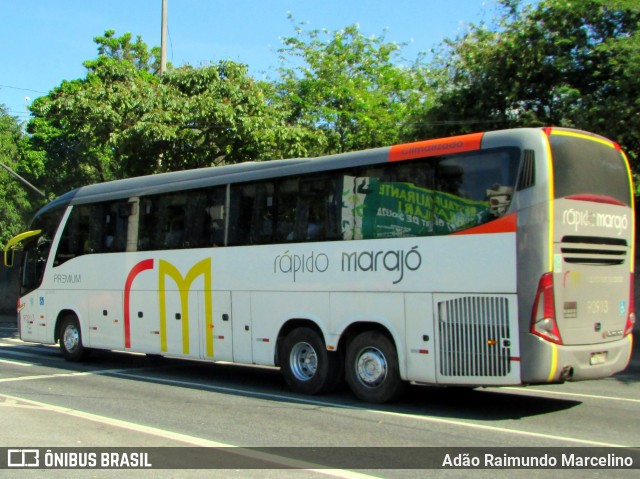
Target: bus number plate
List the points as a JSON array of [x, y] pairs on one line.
[[598, 358]]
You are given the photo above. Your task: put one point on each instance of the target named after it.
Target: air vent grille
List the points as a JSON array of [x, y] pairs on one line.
[[474, 337], [593, 250]]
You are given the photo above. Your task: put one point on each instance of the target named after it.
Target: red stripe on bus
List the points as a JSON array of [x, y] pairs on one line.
[[506, 224], [137, 269], [441, 146], [597, 199]]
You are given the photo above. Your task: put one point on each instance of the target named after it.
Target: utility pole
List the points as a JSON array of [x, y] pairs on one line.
[[22, 180], [163, 44], [26, 101], [163, 62]]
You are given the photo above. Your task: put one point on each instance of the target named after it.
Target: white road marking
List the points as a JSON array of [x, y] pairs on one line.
[[187, 439], [31, 355], [568, 394], [61, 375], [16, 363]]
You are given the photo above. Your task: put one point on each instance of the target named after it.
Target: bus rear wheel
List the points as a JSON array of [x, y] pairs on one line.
[[306, 365], [71, 339], [372, 370]]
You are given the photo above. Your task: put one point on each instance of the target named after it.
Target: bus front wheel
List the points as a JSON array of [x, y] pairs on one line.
[[372, 370], [71, 339], [306, 365]]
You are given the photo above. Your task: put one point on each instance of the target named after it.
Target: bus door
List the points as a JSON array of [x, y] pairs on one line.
[[32, 307], [32, 316]]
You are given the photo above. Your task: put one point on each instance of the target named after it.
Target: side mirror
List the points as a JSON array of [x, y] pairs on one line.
[[8, 260], [13, 242]]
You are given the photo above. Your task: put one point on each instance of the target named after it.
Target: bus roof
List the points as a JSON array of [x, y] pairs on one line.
[[217, 175]]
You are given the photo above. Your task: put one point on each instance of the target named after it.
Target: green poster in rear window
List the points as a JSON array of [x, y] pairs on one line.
[[394, 210]]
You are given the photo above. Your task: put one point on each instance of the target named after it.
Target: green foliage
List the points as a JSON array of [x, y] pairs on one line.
[[77, 129], [220, 115], [574, 64], [350, 87], [123, 120], [14, 198]]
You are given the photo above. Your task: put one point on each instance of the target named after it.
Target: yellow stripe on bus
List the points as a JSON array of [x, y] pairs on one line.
[[632, 257], [584, 137], [554, 362], [630, 336], [551, 196]]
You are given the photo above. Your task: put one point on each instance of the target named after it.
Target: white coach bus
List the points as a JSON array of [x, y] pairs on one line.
[[496, 258]]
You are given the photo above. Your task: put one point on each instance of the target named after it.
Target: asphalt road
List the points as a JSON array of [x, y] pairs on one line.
[[124, 400]]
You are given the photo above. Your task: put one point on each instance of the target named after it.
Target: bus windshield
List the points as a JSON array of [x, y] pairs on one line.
[[580, 165], [36, 249]]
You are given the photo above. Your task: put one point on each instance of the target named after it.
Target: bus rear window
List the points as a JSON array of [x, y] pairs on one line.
[[430, 196], [585, 167]]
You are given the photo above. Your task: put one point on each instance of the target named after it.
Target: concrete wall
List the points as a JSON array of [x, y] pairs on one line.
[[9, 288]]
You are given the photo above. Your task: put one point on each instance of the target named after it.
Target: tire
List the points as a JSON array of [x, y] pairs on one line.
[[372, 370], [71, 339], [306, 365]]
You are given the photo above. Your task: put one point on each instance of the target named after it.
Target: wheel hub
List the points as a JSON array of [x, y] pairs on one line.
[[371, 367], [71, 339], [303, 361]]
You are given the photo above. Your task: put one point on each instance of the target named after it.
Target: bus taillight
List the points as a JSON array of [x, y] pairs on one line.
[[631, 317], [543, 320]]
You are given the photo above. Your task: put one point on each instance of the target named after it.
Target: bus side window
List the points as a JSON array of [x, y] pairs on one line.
[[486, 178], [262, 218], [309, 208], [251, 214], [242, 199], [173, 226], [195, 234], [146, 228], [110, 225], [91, 229], [287, 200], [162, 222], [190, 219], [74, 237], [214, 210], [319, 203]]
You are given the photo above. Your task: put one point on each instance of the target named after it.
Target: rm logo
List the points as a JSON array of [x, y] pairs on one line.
[[184, 284]]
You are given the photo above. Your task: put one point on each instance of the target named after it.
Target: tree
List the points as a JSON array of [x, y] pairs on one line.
[[573, 64], [354, 89], [218, 114], [124, 120], [14, 198], [76, 129]]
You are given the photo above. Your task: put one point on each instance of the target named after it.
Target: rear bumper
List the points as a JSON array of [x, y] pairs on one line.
[[547, 362]]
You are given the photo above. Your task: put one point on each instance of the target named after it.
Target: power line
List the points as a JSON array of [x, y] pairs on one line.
[[22, 89]]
